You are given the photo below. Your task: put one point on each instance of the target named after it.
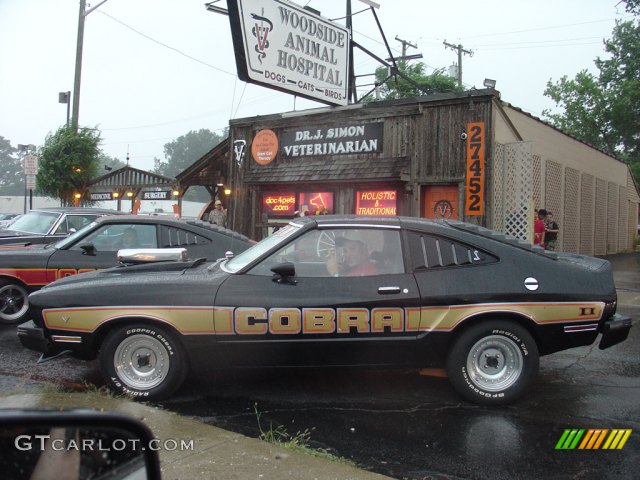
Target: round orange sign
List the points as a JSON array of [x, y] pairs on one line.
[[264, 147]]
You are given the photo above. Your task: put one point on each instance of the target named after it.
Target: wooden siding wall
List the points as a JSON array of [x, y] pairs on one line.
[[422, 139]]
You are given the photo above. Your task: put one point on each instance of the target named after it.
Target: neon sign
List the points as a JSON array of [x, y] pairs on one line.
[[279, 204], [376, 202], [317, 202]]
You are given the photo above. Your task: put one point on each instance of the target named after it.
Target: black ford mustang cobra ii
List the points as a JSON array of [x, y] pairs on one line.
[[338, 291]]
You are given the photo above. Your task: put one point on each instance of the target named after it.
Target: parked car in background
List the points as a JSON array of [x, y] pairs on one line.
[[48, 225], [338, 291], [24, 270]]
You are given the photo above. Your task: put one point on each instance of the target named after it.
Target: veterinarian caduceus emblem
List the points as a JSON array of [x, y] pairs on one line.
[[261, 31]]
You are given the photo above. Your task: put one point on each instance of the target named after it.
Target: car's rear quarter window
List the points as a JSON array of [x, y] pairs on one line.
[[430, 251]]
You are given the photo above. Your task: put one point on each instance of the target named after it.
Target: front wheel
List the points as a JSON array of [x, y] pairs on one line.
[[493, 362], [14, 303], [143, 361]]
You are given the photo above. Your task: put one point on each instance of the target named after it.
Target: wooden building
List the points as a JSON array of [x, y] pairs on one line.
[[467, 155]]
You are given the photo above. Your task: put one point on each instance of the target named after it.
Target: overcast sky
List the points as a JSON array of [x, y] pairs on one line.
[[155, 69]]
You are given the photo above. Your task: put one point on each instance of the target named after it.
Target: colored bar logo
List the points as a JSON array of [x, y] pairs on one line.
[[593, 439]]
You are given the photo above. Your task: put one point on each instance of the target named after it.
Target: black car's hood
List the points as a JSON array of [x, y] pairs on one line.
[[22, 256], [164, 283], [10, 233], [12, 237]]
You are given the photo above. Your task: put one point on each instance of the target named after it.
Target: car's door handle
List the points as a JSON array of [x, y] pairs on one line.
[[388, 290]]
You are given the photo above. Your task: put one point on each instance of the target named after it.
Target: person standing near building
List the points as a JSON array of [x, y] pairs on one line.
[[218, 215], [539, 228], [551, 232]]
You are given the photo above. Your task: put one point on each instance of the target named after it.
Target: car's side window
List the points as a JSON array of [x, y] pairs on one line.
[[111, 238], [177, 237], [73, 221], [63, 228], [428, 252], [340, 252]]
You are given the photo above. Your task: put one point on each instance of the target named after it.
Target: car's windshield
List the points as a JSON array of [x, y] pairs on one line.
[[71, 239], [35, 222], [248, 256]]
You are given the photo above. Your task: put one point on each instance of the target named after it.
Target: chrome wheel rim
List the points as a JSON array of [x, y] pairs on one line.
[[13, 302], [494, 363], [141, 362]]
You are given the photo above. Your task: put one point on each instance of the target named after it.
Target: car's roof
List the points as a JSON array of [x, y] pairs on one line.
[[455, 227], [355, 220], [176, 222], [78, 210]]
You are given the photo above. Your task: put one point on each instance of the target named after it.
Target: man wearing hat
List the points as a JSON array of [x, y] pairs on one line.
[[218, 215], [351, 258]]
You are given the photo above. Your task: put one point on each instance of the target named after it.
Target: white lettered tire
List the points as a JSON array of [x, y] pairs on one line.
[[143, 361], [493, 362]]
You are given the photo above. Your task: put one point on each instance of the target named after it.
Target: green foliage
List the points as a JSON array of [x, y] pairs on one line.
[[298, 442], [105, 160], [183, 152], [186, 150], [604, 109], [398, 87], [11, 171], [68, 161]]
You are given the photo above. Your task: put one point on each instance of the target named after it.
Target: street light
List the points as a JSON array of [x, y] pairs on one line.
[[65, 97], [489, 83]]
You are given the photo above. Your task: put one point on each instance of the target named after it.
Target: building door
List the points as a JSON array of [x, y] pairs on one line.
[[440, 201]]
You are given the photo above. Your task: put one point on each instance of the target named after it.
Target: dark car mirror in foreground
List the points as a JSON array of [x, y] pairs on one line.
[[136, 256], [88, 249], [75, 444]]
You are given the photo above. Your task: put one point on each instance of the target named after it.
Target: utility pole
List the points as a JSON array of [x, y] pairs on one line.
[[405, 44], [76, 83], [460, 51]]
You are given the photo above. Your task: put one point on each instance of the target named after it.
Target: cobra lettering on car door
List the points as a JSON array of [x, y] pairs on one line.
[[330, 297]]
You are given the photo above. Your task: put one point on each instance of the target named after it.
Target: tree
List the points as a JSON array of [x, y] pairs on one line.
[[113, 163], [11, 171], [68, 161], [185, 150], [604, 109], [398, 87]]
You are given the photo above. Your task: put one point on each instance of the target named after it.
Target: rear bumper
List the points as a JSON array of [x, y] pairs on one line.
[[615, 330]]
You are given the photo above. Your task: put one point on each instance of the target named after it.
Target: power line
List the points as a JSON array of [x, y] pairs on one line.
[[540, 28], [559, 45], [541, 41], [165, 45]]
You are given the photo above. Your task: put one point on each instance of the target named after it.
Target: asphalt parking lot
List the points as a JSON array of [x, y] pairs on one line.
[[406, 426]]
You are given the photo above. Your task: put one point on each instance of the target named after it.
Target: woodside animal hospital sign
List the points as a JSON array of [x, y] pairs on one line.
[[282, 46]]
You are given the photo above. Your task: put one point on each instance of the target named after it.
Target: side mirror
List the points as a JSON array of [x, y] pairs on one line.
[[76, 444], [228, 255], [72, 230], [284, 273], [88, 249]]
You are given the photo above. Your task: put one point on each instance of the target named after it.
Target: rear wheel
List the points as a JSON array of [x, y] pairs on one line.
[[14, 303], [143, 361], [493, 362]]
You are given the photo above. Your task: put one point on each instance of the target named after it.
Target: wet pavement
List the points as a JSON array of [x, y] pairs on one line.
[[399, 424]]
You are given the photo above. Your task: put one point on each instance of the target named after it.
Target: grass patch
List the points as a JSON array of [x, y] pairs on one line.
[[298, 442]]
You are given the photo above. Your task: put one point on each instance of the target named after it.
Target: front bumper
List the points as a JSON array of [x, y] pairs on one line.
[[32, 337], [615, 330]]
